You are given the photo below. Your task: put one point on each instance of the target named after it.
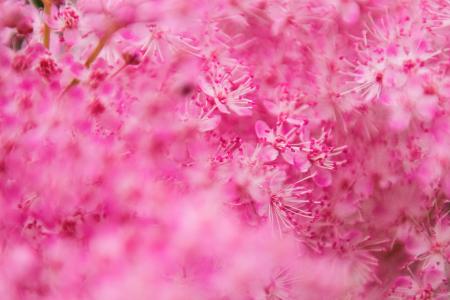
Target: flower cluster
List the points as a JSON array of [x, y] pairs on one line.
[[253, 149]]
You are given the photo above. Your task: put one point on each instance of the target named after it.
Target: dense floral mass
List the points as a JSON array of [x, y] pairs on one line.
[[224, 150]]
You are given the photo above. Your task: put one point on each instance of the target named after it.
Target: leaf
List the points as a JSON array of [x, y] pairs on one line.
[[16, 42], [38, 3]]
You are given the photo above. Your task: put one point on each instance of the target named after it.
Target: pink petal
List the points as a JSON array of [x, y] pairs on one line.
[[288, 156], [262, 129], [301, 161], [209, 124], [350, 12], [323, 178], [269, 153]]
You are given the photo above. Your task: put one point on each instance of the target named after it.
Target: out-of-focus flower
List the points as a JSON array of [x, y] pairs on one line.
[[226, 150]]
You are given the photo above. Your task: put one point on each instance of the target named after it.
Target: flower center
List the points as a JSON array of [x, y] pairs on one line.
[[280, 143]]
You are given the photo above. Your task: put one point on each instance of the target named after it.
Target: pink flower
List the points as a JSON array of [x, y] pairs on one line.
[[283, 143], [199, 114], [229, 89], [226, 150]]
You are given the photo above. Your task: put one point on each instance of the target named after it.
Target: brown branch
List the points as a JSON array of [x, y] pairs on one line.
[[47, 12], [93, 56]]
